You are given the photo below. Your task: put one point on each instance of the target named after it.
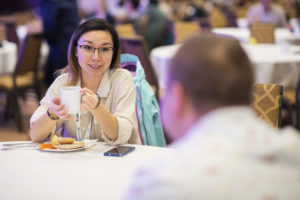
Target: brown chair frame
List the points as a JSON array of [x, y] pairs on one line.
[[25, 76]]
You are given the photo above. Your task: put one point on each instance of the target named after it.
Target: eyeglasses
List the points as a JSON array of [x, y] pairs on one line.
[[105, 52]]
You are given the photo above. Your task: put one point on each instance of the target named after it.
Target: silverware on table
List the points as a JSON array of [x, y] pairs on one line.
[[17, 143], [17, 146]]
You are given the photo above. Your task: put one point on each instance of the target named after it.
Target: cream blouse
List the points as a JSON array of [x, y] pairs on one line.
[[117, 95]]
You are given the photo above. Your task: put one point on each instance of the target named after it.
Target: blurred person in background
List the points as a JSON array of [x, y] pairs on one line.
[[156, 27], [222, 150], [92, 8], [60, 19], [125, 11], [267, 12], [107, 96], [166, 6]]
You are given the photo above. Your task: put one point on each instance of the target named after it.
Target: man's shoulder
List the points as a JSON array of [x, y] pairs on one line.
[[277, 8], [255, 7]]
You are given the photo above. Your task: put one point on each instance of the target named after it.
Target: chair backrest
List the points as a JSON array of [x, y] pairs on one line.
[[182, 30], [11, 33], [217, 18], [2, 32], [138, 47], [125, 30], [29, 55], [263, 33], [147, 107], [267, 102]]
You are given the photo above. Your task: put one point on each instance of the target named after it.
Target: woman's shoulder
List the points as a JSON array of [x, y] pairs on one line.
[[61, 80], [120, 73]]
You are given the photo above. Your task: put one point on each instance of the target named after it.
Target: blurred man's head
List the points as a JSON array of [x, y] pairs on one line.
[[207, 72]]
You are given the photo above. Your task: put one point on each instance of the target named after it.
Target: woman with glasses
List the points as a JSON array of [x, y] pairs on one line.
[[107, 94]]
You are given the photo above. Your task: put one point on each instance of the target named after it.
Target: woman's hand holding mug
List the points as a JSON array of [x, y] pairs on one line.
[[59, 109]]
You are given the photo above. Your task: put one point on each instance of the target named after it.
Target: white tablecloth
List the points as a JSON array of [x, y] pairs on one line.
[[282, 35], [273, 63], [8, 57], [29, 173]]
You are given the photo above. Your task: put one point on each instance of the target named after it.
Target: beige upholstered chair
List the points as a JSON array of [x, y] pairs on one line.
[[126, 30], [24, 77], [263, 33], [267, 102], [182, 30]]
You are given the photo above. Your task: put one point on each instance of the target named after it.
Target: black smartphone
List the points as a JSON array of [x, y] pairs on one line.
[[119, 151]]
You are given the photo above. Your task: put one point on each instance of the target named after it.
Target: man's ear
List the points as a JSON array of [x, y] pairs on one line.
[[180, 99]]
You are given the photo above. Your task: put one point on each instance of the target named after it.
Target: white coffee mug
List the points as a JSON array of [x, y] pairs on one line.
[[70, 96]]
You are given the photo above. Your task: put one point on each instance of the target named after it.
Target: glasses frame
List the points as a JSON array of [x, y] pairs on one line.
[[94, 50]]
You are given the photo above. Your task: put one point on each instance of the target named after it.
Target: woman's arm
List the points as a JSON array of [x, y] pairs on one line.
[[42, 127]]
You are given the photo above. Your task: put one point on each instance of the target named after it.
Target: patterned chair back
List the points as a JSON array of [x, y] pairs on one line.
[[263, 33], [267, 102]]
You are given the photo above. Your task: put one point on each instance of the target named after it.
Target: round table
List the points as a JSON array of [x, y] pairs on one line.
[[282, 35], [273, 63], [8, 57]]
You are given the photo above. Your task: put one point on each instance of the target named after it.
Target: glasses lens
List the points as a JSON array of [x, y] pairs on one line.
[[89, 51], [106, 51]]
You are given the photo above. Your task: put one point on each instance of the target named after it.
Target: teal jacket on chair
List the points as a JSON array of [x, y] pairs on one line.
[[147, 108]]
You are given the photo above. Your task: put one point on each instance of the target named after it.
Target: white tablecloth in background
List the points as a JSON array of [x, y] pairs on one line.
[[33, 174], [8, 57], [282, 35], [273, 63]]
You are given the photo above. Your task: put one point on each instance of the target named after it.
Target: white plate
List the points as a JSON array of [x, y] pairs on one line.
[[87, 144]]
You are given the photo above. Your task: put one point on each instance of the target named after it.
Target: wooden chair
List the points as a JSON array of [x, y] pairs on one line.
[[267, 102], [182, 30], [137, 46], [217, 18], [2, 32], [11, 33], [291, 97], [24, 77], [263, 33], [125, 30]]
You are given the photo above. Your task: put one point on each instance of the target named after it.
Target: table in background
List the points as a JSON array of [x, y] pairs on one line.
[[282, 35], [29, 173], [8, 57], [274, 63]]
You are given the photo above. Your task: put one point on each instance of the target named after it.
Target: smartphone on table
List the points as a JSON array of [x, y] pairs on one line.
[[119, 151]]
